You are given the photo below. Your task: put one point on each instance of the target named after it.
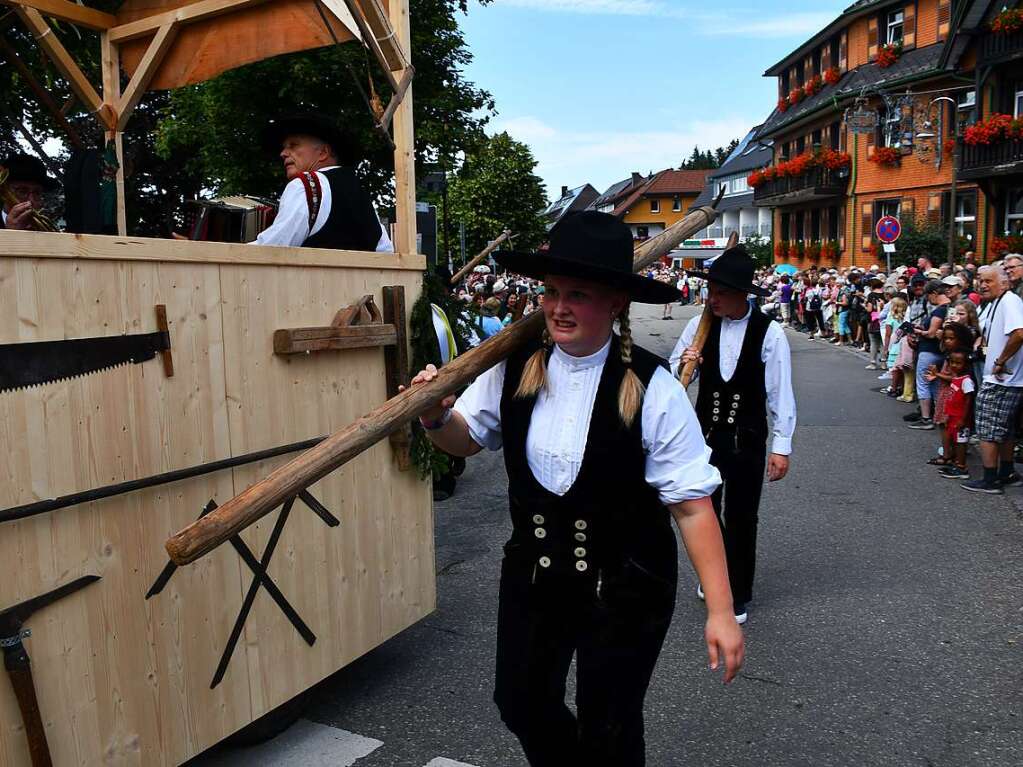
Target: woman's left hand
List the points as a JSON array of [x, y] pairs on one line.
[[725, 644]]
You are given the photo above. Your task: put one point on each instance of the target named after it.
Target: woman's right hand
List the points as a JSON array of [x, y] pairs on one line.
[[429, 373]]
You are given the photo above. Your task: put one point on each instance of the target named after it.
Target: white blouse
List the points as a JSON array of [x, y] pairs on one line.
[[677, 458]]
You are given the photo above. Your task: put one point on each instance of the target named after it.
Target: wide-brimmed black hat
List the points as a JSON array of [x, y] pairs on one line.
[[591, 246], [307, 124], [25, 167], [734, 269]]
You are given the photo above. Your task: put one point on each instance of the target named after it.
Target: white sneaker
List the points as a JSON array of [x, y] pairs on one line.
[[741, 614], [885, 377], [871, 366], [699, 592]]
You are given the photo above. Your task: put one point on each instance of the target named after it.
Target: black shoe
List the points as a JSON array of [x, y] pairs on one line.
[[982, 486], [923, 424], [910, 417], [1013, 480], [953, 472]]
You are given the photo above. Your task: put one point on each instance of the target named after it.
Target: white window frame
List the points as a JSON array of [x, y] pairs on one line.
[[1018, 110], [961, 218], [1011, 217], [881, 213], [676, 204], [896, 20], [655, 205]]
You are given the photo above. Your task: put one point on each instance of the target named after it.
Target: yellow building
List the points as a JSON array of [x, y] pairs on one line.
[[664, 199]]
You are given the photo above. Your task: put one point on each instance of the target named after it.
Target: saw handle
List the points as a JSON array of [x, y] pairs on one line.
[[19, 669]]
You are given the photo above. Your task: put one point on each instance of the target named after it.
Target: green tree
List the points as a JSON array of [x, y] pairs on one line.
[[709, 160], [923, 238], [760, 249], [496, 189]]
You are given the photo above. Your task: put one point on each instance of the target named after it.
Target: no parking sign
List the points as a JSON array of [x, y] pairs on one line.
[[888, 229]]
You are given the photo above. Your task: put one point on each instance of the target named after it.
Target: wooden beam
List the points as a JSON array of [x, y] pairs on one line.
[[154, 55], [404, 141], [184, 15], [384, 34], [78, 15], [111, 63], [396, 97], [65, 64], [369, 38], [31, 139], [42, 95]]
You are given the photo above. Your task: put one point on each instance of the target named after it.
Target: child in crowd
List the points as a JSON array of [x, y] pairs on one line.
[[893, 343], [873, 304], [955, 337], [958, 414]]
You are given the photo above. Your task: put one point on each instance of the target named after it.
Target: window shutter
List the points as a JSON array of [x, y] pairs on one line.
[[807, 69], [866, 225], [907, 210], [874, 137], [935, 203], [843, 51], [944, 18], [906, 126], [872, 38], [909, 26]]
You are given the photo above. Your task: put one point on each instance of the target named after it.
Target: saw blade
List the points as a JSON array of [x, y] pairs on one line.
[[41, 362]]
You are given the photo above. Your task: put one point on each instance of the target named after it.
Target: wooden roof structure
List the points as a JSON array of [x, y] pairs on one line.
[[163, 44]]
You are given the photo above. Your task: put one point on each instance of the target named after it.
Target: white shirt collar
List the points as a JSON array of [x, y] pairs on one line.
[[743, 318], [596, 359]]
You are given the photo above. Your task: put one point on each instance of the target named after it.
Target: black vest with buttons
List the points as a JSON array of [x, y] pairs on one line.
[[352, 224], [737, 406], [610, 517]]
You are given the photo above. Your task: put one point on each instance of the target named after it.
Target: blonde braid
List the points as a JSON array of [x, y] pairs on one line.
[[534, 374], [631, 391]]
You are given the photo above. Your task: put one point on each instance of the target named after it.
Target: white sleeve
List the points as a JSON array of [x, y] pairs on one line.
[[684, 342], [781, 402], [384, 243], [291, 225], [1012, 319], [968, 387], [480, 406], [677, 457]]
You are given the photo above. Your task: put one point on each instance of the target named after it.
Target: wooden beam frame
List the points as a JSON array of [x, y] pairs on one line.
[[111, 62], [79, 15], [154, 55], [370, 39], [404, 140], [184, 15], [384, 34], [66, 65]]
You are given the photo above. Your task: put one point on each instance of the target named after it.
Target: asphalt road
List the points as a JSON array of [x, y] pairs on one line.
[[886, 627]]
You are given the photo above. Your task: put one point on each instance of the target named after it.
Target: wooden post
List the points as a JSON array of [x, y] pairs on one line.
[[703, 329], [478, 258], [205, 534], [111, 65], [396, 359], [404, 143]]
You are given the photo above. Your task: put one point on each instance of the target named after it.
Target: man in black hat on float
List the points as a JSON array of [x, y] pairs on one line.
[[323, 205], [745, 373], [27, 180]]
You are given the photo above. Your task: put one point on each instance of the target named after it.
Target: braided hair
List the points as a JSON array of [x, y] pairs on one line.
[[631, 391]]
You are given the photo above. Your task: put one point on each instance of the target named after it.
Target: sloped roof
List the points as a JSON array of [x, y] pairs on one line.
[[677, 182], [612, 193], [912, 65], [753, 155], [623, 207]]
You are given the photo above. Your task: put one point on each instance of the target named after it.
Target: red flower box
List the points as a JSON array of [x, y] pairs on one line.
[[781, 249], [813, 251], [795, 96], [886, 156], [1012, 243], [1008, 21], [755, 179], [998, 127], [813, 87], [832, 76], [783, 103], [795, 250], [889, 54], [832, 159]]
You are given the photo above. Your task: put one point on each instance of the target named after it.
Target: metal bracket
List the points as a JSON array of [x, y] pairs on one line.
[[15, 640]]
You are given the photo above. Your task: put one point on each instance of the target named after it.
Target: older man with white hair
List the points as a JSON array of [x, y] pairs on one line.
[[1013, 265], [1001, 390]]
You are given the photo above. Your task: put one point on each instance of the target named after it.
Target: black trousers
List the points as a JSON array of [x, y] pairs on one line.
[[616, 638], [736, 503]]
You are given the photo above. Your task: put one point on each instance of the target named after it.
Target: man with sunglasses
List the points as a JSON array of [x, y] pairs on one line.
[[1013, 264], [27, 181]]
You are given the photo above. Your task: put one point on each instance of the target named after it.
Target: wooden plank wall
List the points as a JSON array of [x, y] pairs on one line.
[[126, 681]]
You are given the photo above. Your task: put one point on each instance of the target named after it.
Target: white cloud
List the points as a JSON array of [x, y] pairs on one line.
[[612, 7], [600, 158], [793, 24]]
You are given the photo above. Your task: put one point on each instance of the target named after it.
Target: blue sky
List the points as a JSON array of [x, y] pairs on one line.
[[601, 88]]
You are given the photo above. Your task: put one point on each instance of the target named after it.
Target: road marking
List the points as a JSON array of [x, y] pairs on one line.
[[305, 743], [440, 761]]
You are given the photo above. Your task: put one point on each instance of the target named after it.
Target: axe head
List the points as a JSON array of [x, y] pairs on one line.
[[13, 618]]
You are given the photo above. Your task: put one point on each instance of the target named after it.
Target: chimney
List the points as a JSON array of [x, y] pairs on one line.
[[564, 191], [637, 179]]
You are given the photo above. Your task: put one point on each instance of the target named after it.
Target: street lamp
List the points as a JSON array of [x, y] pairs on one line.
[[928, 133]]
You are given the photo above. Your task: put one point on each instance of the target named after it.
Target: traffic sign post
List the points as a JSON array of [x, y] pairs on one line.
[[888, 230]]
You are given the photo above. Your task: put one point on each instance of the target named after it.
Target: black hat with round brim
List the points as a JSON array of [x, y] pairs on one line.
[[26, 168], [308, 124], [734, 269], [590, 246]]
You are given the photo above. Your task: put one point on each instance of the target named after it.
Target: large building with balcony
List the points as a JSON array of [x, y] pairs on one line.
[[866, 125]]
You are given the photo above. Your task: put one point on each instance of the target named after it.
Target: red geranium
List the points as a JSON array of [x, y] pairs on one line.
[[1012, 243], [1008, 21], [755, 179], [886, 156], [832, 159], [997, 127], [770, 173], [813, 87], [781, 249], [889, 54], [783, 103], [795, 96], [949, 146], [795, 250], [800, 164], [832, 76], [829, 249], [813, 250]]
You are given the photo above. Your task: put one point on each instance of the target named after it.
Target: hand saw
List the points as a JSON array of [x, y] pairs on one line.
[[40, 362]]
